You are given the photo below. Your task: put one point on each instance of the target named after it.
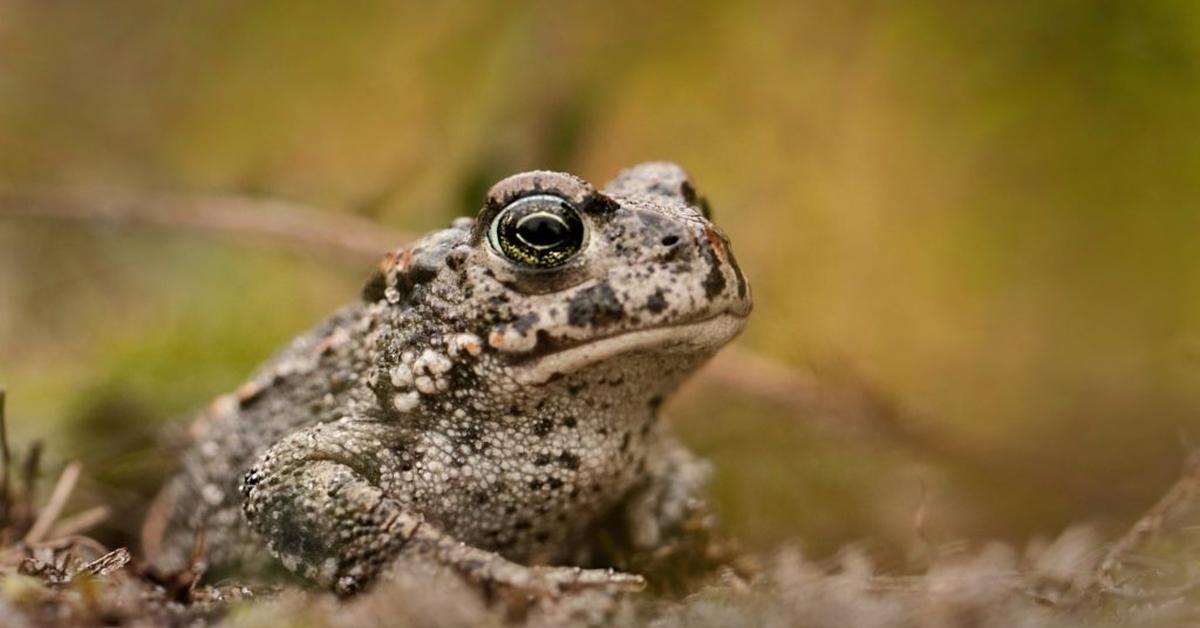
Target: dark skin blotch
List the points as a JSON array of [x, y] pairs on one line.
[[568, 460], [596, 305], [455, 258], [291, 538], [470, 435], [657, 302], [544, 339], [714, 282], [373, 290], [542, 427], [687, 192], [598, 204], [421, 274], [689, 195], [742, 287], [526, 322]]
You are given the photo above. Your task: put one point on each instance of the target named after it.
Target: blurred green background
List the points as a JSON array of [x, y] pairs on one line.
[[988, 210]]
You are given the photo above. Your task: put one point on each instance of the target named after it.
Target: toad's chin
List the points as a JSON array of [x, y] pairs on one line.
[[706, 335]]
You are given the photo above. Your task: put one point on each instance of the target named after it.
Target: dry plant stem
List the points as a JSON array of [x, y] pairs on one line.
[[1182, 494], [842, 402], [852, 407], [29, 468], [107, 563], [75, 540], [49, 514], [337, 234], [81, 522]]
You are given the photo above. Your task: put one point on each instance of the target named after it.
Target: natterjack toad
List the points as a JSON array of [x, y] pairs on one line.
[[493, 395]]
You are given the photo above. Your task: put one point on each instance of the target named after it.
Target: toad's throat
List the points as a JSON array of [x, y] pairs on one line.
[[690, 338]]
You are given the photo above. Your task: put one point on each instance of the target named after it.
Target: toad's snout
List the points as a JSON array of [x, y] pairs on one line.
[[723, 284], [688, 243]]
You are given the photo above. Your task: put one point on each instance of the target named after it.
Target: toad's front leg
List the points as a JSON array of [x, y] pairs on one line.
[[315, 498], [673, 493], [664, 527]]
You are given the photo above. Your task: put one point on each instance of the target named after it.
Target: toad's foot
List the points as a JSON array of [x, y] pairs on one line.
[[494, 571]]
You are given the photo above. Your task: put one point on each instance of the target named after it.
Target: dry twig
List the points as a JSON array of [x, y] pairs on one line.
[[341, 235], [1181, 495], [107, 563], [80, 522], [53, 508]]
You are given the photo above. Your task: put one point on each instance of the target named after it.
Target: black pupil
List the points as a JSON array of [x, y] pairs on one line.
[[542, 230]]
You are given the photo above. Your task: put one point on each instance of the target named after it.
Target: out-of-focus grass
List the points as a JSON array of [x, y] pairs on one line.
[[988, 208]]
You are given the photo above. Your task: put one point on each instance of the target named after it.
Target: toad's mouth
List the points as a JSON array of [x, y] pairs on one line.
[[697, 337]]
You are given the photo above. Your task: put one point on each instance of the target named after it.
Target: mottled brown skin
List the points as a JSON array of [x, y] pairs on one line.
[[473, 410]]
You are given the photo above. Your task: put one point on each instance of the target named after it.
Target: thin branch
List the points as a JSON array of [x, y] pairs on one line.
[[838, 404], [1182, 494], [74, 540], [30, 468], [81, 522], [340, 235], [58, 499], [106, 564], [839, 400]]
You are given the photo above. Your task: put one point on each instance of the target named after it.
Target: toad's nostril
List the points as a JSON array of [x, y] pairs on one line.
[[670, 240]]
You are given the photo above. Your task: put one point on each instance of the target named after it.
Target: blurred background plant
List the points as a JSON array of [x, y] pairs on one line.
[[979, 217]]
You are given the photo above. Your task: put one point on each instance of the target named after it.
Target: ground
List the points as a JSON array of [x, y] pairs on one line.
[[52, 574]]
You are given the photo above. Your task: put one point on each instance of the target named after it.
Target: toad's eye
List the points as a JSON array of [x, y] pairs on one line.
[[541, 231]]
